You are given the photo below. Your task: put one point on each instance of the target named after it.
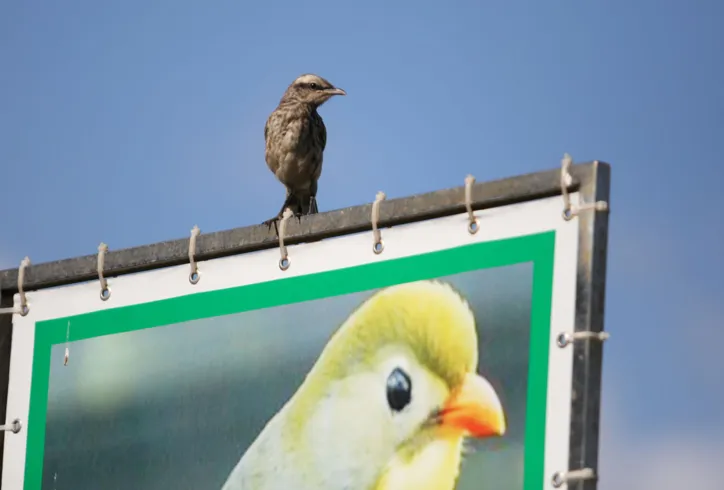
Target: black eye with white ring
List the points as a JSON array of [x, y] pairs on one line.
[[399, 389]]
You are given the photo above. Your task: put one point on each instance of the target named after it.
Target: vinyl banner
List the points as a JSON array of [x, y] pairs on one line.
[[432, 365]]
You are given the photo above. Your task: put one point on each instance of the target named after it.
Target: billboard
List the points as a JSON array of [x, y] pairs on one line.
[[446, 359]]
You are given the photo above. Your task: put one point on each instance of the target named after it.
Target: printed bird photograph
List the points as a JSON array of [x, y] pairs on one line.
[[410, 386], [398, 381]]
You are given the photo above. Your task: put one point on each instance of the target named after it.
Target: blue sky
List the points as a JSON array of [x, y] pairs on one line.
[[130, 122]]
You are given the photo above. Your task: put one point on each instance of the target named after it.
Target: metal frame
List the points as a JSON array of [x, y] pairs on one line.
[[591, 179], [590, 299]]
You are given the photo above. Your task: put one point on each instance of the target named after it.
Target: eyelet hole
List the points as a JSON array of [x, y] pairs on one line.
[[284, 263], [194, 277], [473, 227]]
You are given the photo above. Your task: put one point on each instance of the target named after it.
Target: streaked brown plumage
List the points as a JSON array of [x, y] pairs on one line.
[[295, 140]]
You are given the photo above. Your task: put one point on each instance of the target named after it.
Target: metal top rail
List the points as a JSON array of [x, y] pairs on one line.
[[312, 228]]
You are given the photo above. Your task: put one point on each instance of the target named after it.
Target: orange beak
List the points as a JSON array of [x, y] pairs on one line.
[[474, 409]]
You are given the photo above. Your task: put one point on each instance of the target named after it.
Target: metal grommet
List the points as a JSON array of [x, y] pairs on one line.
[[558, 479], [24, 310], [105, 293], [194, 277], [473, 226], [378, 247], [13, 426], [563, 340], [284, 263], [568, 214]]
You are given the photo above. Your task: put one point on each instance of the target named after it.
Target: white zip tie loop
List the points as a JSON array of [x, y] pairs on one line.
[[105, 290], [67, 345], [473, 224], [561, 477], [24, 264], [566, 181], [195, 275], [566, 338], [569, 212], [378, 245], [284, 262], [24, 309], [13, 426]]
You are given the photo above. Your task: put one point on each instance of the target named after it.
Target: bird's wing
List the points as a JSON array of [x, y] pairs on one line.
[[322, 133], [269, 155]]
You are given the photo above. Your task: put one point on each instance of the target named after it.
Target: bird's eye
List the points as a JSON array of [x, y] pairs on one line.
[[399, 390], [313, 85]]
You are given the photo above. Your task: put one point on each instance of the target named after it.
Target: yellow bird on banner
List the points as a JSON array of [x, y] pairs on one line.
[[386, 406]]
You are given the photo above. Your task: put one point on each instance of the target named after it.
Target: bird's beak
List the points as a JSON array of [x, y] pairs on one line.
[[474, 409], [335, 91]]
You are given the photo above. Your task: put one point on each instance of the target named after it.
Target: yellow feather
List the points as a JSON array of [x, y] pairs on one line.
[[428, 316], [434, 467]]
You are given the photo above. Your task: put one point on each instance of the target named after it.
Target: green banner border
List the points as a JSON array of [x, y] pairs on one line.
[[538, 248]]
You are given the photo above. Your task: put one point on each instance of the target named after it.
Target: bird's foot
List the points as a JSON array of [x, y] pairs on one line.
[[298, 214], [276, 219], [273, 221]]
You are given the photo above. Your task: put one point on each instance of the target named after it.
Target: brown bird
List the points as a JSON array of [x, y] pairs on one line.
[[295, 140]]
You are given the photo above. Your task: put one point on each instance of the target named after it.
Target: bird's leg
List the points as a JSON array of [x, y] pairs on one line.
[[295, 205], [313, 205], [298, 212], [313, 198]]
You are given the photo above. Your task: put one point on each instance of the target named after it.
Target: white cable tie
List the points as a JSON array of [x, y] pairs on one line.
[[569, 211], [378, 245], [105, 290], [473, 224], [13, 426], [566, 181], [194, 275], [67, 345], [24, 309], [566, 338], [284, 262], [561, 477]]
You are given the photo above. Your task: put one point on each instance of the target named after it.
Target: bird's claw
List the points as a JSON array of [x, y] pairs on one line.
[[274, 221]]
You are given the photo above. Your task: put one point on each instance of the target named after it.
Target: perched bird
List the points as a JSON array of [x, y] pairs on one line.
[[295, 140], [386, 406]]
